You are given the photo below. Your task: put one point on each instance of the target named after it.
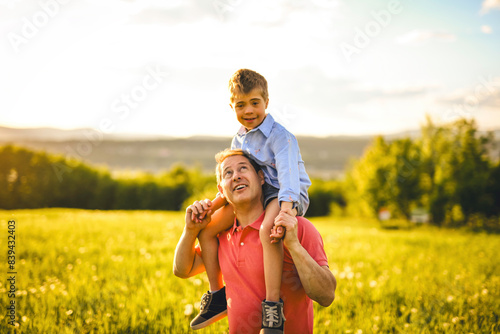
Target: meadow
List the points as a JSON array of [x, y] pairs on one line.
[[83, 271]]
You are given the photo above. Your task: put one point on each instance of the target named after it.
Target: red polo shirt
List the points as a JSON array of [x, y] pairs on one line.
[[241, 262]]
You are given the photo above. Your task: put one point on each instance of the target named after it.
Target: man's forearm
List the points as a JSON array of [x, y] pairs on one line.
[[185, 255], [318, 281]]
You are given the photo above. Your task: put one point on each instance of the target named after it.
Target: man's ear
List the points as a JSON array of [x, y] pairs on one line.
[[220, 191], [261, 176]]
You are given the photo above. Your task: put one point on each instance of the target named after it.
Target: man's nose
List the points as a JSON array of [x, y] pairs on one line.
[[236, 176]]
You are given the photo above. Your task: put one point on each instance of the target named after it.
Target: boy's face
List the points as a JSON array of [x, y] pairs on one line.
[[250, 109]]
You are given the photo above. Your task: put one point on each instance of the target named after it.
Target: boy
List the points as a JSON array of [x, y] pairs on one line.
[[277, 152]]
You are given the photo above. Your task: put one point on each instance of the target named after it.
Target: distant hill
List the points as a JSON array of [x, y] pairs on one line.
[[55, 134], [324, 157]]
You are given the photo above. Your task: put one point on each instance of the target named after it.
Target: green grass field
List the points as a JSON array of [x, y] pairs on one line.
[[84, 271]]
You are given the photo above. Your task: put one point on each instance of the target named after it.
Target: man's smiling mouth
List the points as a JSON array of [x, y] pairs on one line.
[[240, 186]]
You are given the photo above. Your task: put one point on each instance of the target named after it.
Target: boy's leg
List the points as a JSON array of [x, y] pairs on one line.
[[213, 303], [273, 253], [221, 220], [272, 307]]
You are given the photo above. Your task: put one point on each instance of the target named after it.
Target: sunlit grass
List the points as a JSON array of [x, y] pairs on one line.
[[94, 271]]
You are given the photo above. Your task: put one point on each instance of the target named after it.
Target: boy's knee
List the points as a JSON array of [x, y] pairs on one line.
[[264, 233]]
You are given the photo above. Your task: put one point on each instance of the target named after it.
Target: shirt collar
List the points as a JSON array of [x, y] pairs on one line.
[[265, 127], [255, 225]]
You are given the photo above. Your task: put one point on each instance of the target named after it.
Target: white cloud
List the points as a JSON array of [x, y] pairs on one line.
[[419, 37], [486, 29], [489, 4]]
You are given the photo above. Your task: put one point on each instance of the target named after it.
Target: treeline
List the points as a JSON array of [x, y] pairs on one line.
[[30, 179], [447, 172], [36, 179]]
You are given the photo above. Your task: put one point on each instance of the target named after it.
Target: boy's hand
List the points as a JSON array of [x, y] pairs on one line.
[[277, 233], [198, 215]]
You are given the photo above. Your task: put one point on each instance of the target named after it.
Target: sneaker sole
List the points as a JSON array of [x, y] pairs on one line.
[[210, 321]]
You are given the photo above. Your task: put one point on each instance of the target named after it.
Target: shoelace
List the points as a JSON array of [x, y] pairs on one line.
[[204, 301], [271, 315]]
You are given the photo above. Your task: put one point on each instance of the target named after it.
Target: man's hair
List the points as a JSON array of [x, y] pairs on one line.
[[223, 155], [244, 81]]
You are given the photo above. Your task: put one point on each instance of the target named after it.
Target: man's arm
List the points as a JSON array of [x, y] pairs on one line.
[[187, 262], [318, 281]]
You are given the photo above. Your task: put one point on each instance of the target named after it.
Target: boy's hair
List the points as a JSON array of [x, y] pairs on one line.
[[244, 81], [223, 155]]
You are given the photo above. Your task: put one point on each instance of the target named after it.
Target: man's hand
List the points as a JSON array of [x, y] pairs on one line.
[[286, 220], [198, 215], [318, 281], [186, 262]]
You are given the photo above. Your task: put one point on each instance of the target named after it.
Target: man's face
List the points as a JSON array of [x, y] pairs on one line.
[[250, 109], [239, 183]]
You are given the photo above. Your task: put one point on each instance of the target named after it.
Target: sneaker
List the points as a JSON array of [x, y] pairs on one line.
[[273, 318], [213, 308]]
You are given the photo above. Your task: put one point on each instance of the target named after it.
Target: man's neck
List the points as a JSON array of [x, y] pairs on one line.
[[246, 215]]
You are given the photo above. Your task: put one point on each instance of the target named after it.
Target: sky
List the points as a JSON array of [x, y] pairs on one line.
[[334, 67]]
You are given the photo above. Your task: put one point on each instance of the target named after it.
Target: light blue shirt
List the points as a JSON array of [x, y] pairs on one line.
[[276, 150]]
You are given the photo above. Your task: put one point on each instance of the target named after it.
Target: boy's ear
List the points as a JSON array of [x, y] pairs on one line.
[[267, 103]]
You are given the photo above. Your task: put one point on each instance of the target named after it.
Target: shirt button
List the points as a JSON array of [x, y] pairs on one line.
[[242, 243]]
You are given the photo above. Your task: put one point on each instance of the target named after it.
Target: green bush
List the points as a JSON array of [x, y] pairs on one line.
[[37, 179]]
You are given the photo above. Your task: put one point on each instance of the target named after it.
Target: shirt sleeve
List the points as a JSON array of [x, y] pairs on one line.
[[197, 250], [311, 240], [286, 151]]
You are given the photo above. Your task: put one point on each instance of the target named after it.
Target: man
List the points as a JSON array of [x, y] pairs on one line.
[[306, 275]]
